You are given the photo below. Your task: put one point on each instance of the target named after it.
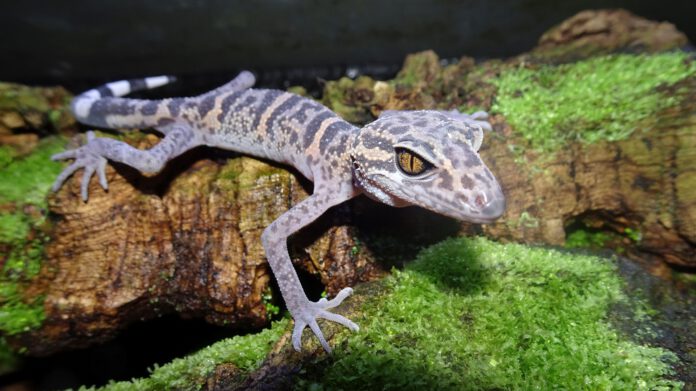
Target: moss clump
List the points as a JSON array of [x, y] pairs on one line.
[[26, 180], [13, 227], [8, 361], [6, 155], [38, 108], [350, 99], [473, 314], [24, 183], [602, 98], [189, 373], [587, 239]]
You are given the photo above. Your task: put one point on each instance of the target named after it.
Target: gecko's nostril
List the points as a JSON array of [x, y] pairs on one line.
[[480, 201]]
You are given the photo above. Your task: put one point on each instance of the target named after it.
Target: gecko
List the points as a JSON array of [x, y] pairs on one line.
[[427, 158]]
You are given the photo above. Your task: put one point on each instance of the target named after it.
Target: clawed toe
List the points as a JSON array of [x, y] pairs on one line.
[[84, 158], [308, 315]]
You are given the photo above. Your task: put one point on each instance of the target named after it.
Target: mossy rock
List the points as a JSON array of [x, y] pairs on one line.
[[24, 183], [469, 313]]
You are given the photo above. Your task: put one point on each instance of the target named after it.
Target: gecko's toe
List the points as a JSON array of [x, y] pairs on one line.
[[64, 155], [64, 175], [336, 301], [479, 115], [340, 319], [84, 186], [317, 331], [297, 334], [101, 173]]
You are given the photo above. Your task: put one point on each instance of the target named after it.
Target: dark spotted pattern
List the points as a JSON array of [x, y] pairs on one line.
[[397, 130], [105, 91], [332, 131], [227, 103], [174, 107], [149, 108], [313, 127], [269, 97], [138, 84], [467, 182], [301, 114], [446, 180], [103, 108], [280, 112], [377, 142], [472, 160], [205, 105]]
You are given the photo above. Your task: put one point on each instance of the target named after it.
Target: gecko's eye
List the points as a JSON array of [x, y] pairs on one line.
[[410, 163]]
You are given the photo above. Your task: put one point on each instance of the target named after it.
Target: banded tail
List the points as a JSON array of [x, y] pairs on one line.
[[102, 106]]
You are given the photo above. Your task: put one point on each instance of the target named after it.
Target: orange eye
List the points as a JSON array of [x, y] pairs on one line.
[[410, 163]]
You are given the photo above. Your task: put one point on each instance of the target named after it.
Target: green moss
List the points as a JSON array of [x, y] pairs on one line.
[[27, 180], [17, 315], [6, 155], [633, 234], [24, 183], [14, 227], [38, 106], [350, 99], [602, 98], [8, 360], [473, 314], [418, 68], [188, 373], [581, 235], [19, 98], [587, 239], [269, 303]]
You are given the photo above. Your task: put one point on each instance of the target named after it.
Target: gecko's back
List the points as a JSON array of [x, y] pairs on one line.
[[271, 124]]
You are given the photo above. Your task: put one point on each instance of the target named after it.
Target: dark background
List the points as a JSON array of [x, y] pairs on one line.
[[81, 42]]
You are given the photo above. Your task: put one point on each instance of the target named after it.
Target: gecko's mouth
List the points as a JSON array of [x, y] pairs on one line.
[[490, 209]]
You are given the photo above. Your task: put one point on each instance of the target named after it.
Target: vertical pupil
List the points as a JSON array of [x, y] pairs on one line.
[[411, 163]]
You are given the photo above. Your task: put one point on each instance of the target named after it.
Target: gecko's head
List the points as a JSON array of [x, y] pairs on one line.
[[429, 159]]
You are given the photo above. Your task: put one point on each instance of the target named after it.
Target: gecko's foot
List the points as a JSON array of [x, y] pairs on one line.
[[308, 315], [87, 158]]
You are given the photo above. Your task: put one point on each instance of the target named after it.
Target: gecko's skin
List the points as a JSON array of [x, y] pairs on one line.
[[424, 158]]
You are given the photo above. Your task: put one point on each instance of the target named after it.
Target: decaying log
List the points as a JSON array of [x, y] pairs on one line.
[[595, 32], [188, 243]]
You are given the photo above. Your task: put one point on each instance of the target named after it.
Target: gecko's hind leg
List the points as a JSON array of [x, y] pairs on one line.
[[94, 154]]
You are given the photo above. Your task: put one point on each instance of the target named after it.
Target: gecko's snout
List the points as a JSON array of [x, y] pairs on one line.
[[487, 206], [494, 208]]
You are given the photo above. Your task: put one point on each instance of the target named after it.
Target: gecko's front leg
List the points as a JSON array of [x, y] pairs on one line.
[[274, 238]]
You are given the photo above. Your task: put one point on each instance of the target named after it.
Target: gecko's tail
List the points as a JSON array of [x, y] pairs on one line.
[[125, 87], [102, 106]]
